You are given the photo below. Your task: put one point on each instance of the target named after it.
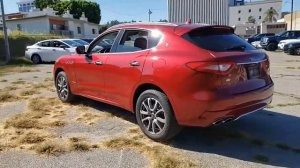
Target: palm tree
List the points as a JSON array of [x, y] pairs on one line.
[[251, 19], [270, 15]]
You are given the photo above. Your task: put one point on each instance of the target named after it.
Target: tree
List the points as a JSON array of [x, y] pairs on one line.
[[270, 15], [76, 7], [251, 19]]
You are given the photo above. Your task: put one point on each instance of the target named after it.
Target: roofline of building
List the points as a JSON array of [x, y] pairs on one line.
[[257, 3], [49, 16]]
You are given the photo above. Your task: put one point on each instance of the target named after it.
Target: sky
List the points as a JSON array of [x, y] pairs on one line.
[[127, 10]]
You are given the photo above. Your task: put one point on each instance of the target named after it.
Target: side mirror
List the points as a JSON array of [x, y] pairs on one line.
[[80, 50], [63, 46]]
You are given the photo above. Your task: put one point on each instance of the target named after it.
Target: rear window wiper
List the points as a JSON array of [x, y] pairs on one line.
[[236, 48]]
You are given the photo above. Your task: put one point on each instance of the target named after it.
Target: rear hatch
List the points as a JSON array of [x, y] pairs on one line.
[[237, 66]]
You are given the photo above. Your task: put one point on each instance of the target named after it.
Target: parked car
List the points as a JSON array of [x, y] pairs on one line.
[[50, 50], [292, 48], [257, 37], [256, 44], [282, 43], [271, 43], [169, 75], [82, 42], [88, 40]]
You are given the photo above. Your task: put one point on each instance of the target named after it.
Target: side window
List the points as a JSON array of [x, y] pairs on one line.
[[133, 40], [297, 34], [57, 44], [45, 44], [104, 44], [154, 38], [292, 34]]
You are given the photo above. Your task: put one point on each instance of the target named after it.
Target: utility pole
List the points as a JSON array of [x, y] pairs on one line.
[[292, 11], [149, 13], [7, 52]]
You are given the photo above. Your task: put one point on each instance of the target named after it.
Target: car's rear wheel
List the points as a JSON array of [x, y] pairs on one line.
[[63, 88], [155, 116], [36, 59], [271, 47]]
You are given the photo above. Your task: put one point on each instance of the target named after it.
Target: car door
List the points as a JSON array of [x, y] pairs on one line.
[[44, 51], [58, 50], [89, 67], [123, 68]]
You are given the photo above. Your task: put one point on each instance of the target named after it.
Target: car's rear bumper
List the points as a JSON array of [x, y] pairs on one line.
[[230, 107]]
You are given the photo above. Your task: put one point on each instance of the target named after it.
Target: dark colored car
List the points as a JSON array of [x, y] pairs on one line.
[[257, 37], [169, 75], [292, 48], [271, 43]]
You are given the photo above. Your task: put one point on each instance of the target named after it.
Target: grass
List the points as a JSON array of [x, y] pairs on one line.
[[290, 67], [29, 92], [4, 80], [17, 65], [78, 144], [7, 97], [50, 148], [19, 82], [261, 159], [158, 154]]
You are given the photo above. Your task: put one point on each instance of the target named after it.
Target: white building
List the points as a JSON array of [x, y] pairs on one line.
[[199, 11], [26, 5], [47, 22], [256, 9]]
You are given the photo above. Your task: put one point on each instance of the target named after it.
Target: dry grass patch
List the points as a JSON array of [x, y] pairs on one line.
[[159, 155], [8, 97], [29, 92], [4, 80], [16, 69], [79, 144], [50, 147]]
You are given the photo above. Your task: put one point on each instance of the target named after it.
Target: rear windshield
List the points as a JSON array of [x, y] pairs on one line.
[[218, 41]]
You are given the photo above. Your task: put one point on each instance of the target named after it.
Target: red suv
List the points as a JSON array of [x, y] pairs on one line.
[[169, 75]]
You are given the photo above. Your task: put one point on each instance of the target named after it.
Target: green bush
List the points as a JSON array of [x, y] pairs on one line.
[[18, 42]]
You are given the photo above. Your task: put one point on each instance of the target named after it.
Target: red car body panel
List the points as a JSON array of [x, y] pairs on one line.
[[197, 99]]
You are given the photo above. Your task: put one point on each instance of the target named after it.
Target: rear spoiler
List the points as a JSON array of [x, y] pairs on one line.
[[186, 28]]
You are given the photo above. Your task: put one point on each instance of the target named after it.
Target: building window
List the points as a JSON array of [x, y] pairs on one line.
[[19, 27], [239, 11], [259, 17], [239, 19], [249, 10], [94, 31], [260, 9], [79, 30]]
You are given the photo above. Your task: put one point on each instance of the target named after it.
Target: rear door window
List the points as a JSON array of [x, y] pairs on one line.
[[133, 40], [217, 40]]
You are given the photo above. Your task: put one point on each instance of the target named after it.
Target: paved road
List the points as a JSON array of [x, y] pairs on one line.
[[268, 138]]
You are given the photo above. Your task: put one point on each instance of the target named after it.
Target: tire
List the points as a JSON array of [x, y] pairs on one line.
[[271, 47], [159, 116], [291, 52], [63, 88], [297, 51], [36, 59]]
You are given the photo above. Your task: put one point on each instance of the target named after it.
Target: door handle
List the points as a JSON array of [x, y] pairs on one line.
[[98, 63], [135, 63]]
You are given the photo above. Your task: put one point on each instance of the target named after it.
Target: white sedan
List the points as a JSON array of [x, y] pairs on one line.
[[51, 50], [256, 44], [282, 43]]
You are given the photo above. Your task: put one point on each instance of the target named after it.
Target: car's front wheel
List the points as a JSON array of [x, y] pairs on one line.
[[272, 47], [155, 116], [297, 51], [63, 88], [291, 52]]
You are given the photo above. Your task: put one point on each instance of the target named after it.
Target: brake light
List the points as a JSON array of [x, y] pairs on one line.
[[266, 66], [222, 68]]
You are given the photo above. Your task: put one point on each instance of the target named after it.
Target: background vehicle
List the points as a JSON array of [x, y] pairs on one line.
[[87, 40], [257, 37], [256, 44], [50, 50], [169, 75], [282, 43], [271, 43], [292, 48]]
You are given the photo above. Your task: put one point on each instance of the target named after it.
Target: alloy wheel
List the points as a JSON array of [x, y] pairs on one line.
[[152, 116], [62, 87]]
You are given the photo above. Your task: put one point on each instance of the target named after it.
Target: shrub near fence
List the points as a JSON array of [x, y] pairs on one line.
[[18, 42]]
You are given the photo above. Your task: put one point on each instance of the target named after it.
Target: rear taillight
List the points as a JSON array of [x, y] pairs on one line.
[[266, 66], [212, 67]]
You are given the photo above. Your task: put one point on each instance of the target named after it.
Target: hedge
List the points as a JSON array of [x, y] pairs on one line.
[[18, 42]]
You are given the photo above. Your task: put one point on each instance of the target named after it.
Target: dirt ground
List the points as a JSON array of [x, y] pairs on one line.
[[37, 130]]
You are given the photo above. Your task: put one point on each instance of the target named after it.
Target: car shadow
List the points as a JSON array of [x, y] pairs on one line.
[[267, 137]]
